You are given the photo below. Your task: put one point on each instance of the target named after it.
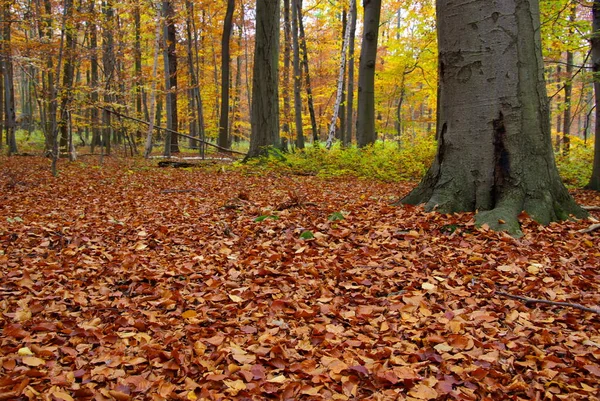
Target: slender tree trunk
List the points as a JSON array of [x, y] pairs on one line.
[[341, 132], [235, 113], [568, 89], [170, 62], [224, 137], [68, 78], [193, 66], [265, 86], [108, 62], [285, 90], [365, 127], [595, 42], [137, 55], [494, 143], [56, 92], [8, 76], [152, 107], [311, 106], [350, 101], [95, 116], [297, 77], [340, 85]]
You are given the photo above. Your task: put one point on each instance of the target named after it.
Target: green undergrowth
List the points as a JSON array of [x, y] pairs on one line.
[[576, 168], [381, 161]]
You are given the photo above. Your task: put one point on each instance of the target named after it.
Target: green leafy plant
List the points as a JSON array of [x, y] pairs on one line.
[[335, 216], [265, 217], [307, 235]]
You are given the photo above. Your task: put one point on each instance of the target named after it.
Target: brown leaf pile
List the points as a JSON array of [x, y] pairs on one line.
[[112, 288]]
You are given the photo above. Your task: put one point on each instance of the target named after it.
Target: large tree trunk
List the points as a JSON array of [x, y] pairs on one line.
[[224, 137], [365, 125], [494, 145], [264, 119], [595, 41]]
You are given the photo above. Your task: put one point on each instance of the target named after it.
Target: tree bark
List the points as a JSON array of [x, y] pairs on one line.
[[595, 44], [494, 145], [297, 77], [311, 106], [95, 98], [350, 100], [340, 86], [264, 120], [224, 137], [108, 61], [137, 56], [567, 120], [8, 77], [285, 89], [68, 78], [152, 107], [170, 62], [365, 126], [193, 66]]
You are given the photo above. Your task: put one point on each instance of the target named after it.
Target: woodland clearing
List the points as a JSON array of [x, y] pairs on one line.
[[128, 281]]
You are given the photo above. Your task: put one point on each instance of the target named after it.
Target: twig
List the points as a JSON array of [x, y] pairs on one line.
[[178, 191], [591, 228], [591, 208], [528, 300]]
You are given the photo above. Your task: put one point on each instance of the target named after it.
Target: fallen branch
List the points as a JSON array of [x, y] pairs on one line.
[[528, 300], [591, 228], [178, 191], [125, 116], [591, 208]]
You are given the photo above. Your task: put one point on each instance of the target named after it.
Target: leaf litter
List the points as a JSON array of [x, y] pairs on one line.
[[113, 288]]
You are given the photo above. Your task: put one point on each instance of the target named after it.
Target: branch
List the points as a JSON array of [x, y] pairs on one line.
[[591, 208], [591, 228], [528, 300], [169, 130]]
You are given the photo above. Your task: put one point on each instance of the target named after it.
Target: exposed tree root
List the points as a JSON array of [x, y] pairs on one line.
[[591, 228], [529, 300]]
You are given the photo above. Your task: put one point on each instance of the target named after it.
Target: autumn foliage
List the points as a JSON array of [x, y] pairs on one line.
[[128, 281]]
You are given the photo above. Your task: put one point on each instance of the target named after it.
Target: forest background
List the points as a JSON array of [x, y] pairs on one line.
[[95, 74]]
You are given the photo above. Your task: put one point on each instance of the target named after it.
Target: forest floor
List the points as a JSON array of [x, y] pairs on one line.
[[129, 281]]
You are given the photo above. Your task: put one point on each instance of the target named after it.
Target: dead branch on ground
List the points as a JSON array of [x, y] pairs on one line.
[[529, 300]]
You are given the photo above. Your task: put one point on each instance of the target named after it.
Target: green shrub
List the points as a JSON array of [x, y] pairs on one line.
[[381, 161], [576, 168]]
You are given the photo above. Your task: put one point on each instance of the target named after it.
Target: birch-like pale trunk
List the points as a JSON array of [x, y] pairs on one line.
[[340, 82]]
